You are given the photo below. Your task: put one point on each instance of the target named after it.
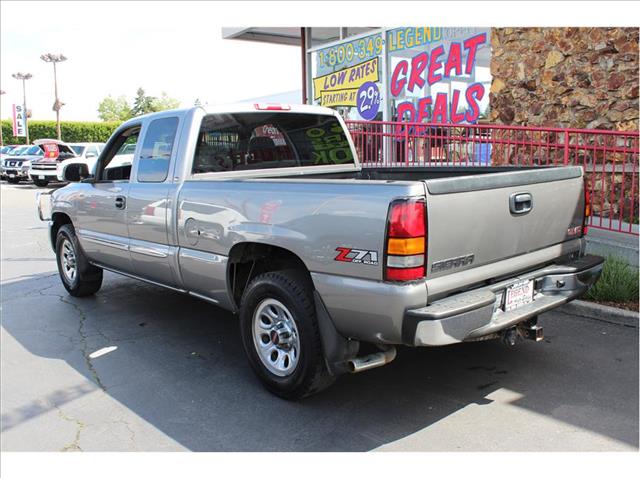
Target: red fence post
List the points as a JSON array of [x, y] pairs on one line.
[[566, 147], [406, 145]]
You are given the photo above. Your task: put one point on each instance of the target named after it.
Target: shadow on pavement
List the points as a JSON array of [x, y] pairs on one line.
[[180, 366]]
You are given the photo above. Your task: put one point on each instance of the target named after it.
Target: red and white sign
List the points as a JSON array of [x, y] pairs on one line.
[[51, 151], [19, 121]]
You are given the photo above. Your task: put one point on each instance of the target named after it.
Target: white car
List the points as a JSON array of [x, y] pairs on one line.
[[50, 167], [123, 157]]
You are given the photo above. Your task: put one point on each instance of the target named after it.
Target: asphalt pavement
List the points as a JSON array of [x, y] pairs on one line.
[[137, 367]]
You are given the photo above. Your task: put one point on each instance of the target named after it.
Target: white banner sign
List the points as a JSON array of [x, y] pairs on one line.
[[19, 121]]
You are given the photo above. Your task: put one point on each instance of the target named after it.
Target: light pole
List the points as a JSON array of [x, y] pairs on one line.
[[52, 58], [2, 92], [24, 77]]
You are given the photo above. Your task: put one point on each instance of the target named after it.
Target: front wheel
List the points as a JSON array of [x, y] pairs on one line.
[[79, 277], [280, 334], [41, 183]]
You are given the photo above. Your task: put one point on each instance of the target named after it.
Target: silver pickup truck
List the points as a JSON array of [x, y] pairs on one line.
[[265, 211]]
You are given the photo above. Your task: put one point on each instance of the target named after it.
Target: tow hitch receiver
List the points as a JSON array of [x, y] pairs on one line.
[[528, 330], [532, 333]]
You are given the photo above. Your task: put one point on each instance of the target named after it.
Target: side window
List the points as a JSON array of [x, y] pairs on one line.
[[155, 156], [115, 165]]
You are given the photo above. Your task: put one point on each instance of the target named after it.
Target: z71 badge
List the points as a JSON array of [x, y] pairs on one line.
[[357, 256]]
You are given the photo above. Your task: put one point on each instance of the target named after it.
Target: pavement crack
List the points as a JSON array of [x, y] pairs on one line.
[[80, 425], [83, 342], [132, 433]]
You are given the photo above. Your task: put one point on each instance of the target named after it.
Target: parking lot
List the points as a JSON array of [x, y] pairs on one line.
[[178, 378]]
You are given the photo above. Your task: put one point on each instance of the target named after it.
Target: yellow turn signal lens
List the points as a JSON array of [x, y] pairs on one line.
[[405, 247]]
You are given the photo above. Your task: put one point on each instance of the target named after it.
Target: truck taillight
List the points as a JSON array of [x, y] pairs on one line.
[[406, 240], [587, 209]]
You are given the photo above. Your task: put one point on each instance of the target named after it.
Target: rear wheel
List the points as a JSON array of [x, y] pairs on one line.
[[78, 276], [280, 334], [41, 183]]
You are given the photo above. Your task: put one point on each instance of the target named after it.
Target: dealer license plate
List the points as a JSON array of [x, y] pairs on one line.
[[41, 177], [519, 294]]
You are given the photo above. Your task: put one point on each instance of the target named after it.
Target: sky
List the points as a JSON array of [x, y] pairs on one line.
[[114, 48]]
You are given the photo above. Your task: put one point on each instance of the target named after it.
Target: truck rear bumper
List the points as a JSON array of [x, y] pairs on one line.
[[470, 315]]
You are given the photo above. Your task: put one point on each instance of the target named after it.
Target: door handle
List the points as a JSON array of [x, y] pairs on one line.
[[520, 203], [121, 202]]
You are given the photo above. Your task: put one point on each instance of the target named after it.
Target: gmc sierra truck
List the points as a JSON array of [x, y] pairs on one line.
[[264, 210]]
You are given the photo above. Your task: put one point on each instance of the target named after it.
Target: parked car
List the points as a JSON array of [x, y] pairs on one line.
[[15, 167], [9, 150], [6, 150], [265, 211]]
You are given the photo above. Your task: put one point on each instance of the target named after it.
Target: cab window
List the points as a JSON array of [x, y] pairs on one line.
[[115, 164], [155, 155]]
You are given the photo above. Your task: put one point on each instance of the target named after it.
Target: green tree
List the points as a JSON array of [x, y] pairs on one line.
[[143, 103], [114, 109], [165, 102]]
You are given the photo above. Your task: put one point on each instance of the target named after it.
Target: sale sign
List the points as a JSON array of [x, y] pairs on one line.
[[19, 121], [350, 78], [368, 100], [334, 98], [439, 65]]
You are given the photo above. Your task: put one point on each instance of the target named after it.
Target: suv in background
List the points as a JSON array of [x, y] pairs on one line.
[[15, 167]]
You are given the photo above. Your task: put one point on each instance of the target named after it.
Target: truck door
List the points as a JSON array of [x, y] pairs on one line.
[[101, 222], [149, 203]]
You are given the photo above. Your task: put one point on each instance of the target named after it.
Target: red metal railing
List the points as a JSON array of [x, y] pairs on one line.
[[610, 158]]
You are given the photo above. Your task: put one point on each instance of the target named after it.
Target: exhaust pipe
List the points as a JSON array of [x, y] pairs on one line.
[[510, 337], [360, 364]]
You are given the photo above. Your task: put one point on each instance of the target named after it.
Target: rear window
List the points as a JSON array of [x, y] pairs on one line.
[[244, 141]]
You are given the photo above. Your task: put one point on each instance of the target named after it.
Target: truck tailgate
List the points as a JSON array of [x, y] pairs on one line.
[[480, 219]]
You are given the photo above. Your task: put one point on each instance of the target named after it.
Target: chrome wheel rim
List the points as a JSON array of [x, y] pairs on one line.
[[69, 265], [275, 337]]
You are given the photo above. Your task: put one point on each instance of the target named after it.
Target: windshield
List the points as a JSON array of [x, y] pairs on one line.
[[243, 141], [32, 151], [77, 149], [6, 149], [18, 150]]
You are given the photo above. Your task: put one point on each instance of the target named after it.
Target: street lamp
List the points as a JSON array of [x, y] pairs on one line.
[[2, 92], [24, 77], [52, 58]]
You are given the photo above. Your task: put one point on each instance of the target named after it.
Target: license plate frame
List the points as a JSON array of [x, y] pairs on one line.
[[518, 295]]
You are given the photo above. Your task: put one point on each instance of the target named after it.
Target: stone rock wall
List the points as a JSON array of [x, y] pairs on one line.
[[565, 77]]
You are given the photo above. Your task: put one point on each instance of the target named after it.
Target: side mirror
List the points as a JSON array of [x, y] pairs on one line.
[[75, 172]]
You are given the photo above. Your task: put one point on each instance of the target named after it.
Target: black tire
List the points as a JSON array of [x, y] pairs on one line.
[[87, 278], [294, 290], [13, 180], [41, 183]]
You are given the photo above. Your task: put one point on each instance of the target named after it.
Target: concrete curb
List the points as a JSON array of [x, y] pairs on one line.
[[601, 312]]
